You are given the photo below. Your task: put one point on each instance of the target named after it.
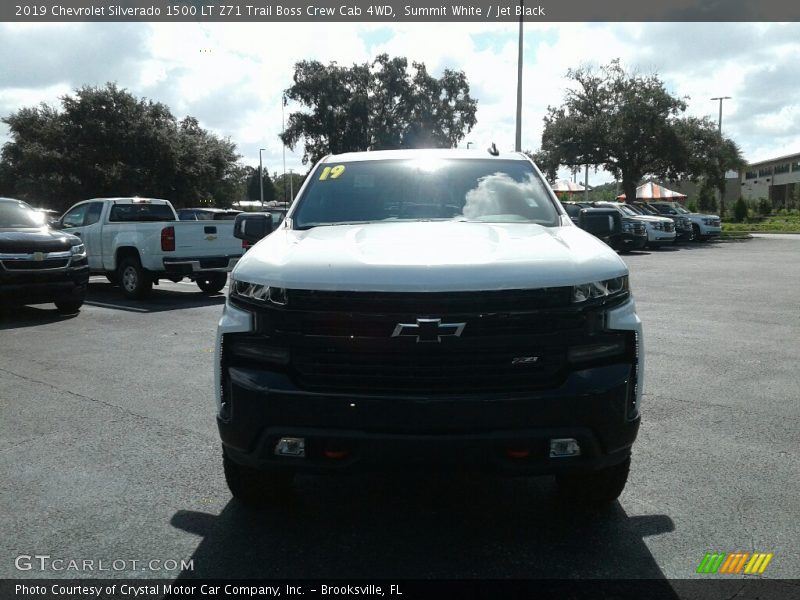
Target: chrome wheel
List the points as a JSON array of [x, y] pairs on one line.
[[130, 279]]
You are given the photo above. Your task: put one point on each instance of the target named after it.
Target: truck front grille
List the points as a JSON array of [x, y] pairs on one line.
[[340, 342]]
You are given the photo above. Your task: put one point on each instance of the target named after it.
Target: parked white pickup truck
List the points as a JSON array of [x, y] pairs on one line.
[[136, 241]]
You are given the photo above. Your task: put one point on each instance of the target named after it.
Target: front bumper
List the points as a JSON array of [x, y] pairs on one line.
[[630, 241], [351, 432], [657, 236], [710, 230], [30, 287]]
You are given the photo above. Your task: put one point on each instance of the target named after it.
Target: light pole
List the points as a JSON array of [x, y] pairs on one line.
[[518, 141], [719, 193], [291, 186], [261, 176]]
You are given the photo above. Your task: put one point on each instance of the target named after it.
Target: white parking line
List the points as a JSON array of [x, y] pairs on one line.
[[116, 306]]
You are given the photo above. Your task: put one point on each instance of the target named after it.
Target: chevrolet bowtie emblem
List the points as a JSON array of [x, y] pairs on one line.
[[428, 330]]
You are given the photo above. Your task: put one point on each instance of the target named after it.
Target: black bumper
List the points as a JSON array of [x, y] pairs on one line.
[[633, 242], [20, 288], [507, 432]]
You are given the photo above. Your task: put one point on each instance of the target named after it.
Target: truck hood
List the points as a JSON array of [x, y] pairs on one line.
[[35, 240], [653, 219], [429, 256], [702, 216]]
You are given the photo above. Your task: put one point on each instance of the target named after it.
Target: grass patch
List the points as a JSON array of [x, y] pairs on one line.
[[788, 223]]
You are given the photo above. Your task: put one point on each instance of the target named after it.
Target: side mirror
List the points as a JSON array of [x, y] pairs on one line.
[[252, 227], [600, 222]]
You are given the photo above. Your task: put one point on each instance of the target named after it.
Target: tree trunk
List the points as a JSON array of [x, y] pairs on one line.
[[629, 189]]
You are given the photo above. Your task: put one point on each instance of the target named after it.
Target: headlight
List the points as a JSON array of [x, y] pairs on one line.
[[710, 221], [600, 289], [78, 251], [658, 226], [257, 292]]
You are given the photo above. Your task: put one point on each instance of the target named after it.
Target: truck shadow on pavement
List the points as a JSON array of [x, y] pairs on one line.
[[423, 527], [105, 295], [18, 317]]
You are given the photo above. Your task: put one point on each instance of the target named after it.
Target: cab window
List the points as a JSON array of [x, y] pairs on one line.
[[75, 217]]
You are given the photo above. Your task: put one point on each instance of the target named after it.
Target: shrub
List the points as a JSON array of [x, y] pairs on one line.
[[691, 205], [707, 202], [764, 207], [740, 210]]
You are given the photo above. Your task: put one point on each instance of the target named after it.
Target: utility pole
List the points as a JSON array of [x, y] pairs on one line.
[[721, 98], [518, 142], [261, 176], [283, 130], [291, 186]]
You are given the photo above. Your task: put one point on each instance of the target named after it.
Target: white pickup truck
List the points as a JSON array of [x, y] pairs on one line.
[[136, 241], [429, 307]]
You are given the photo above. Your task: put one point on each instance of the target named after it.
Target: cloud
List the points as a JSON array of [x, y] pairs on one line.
[[42, 56]]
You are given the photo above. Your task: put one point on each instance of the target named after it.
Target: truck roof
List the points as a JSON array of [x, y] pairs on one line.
[[434, 153], [130, 200]]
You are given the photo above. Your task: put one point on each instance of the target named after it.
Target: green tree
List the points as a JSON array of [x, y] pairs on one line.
[[285, 187], [103, 141], [620, 121], [376, 106], [253, 188], [547, 164], [709, 155]]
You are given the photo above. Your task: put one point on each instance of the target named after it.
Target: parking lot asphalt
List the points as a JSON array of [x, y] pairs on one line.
[[108, 448]]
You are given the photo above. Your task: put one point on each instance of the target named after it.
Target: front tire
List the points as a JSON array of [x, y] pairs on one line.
[[256, 488], [595, 489], [212, 283], [71, 304], [698, 237], [134, 280]]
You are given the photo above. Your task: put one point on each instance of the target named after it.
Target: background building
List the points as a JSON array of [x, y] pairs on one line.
[[777, 179]]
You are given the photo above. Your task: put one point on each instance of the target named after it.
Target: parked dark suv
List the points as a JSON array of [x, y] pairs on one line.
[[38, 264], [632, 237]]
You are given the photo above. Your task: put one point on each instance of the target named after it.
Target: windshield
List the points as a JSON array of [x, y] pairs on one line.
[[16, 214], [427, 189], [682, 210], [629, 211]]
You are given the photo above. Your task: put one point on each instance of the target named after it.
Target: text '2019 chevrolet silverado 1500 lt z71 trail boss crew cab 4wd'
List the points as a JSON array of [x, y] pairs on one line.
[[428, 307], [136, 241]]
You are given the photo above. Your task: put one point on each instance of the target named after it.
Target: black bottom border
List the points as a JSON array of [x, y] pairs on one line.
[[402, 589]]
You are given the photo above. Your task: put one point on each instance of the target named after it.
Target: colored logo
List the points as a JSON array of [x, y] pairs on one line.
[[737, 563]]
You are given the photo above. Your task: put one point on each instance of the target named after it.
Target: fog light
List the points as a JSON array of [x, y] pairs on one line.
[[564, 447], [335, 454], [290, 446], [518, 453]]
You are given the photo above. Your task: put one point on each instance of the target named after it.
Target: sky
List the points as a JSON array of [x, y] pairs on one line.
[[231, 76]]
